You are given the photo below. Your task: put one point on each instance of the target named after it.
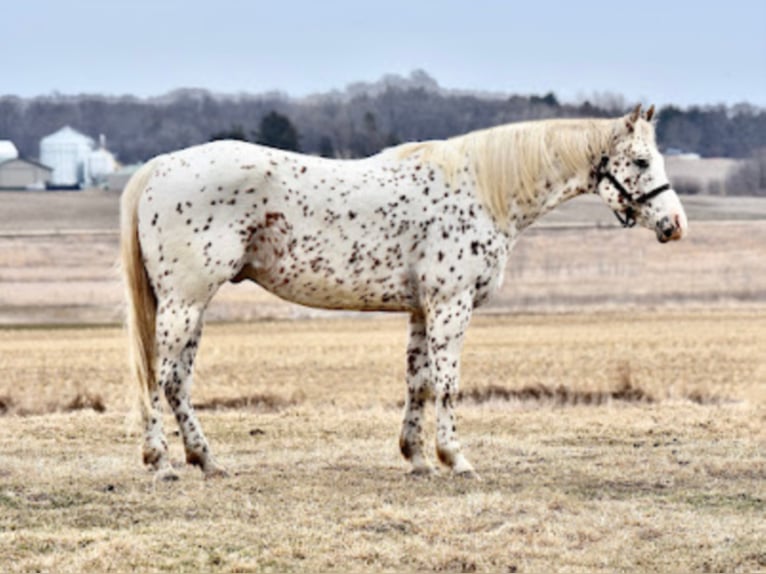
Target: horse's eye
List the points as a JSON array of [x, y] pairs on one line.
[[641, 163]]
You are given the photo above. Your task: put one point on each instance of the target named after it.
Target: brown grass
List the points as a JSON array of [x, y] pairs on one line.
[[631, 441], [560, 395], [643, 477], [258, 402]]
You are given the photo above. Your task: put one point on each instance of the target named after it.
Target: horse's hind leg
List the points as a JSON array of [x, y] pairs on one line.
[[155, 451], [178, 332], [418, 391]]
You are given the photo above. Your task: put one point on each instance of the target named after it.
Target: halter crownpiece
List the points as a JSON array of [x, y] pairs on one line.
[[630, 213]]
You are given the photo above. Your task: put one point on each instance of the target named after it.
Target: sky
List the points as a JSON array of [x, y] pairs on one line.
[[649, 51]]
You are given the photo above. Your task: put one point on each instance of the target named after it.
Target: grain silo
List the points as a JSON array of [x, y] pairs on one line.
[[101, 163], [8, 150], [67, 152]]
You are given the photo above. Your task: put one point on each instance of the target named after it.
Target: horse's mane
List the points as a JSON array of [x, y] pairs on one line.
[[509, 161]]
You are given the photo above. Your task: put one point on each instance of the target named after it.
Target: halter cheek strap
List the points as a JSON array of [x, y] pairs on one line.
[[629, 220]]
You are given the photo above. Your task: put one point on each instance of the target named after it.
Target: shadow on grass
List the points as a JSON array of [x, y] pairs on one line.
[[263, 402]]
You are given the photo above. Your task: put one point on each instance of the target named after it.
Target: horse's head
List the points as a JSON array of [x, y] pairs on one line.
[[631, 179]]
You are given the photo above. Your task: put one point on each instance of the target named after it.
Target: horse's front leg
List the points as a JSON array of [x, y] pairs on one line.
[[418, 391], [446, 325]]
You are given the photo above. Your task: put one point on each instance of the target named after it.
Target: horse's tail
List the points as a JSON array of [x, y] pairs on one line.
[[142, 303]]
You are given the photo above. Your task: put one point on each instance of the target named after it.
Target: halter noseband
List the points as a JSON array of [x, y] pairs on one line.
[[629, 220]]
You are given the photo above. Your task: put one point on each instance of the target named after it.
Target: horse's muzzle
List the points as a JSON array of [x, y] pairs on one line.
[[669, 229]]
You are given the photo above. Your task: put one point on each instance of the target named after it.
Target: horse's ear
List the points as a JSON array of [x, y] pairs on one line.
[[650, 113], [632, 118]]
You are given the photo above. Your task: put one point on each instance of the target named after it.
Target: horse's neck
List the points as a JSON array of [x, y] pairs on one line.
[[550, 194]]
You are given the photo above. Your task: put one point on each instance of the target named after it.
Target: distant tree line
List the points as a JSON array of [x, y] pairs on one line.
[[716, 131], [356, 122]]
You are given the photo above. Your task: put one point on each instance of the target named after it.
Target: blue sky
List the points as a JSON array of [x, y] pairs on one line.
[[651, 51]]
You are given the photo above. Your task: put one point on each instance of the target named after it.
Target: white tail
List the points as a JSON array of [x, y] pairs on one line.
[[142, 304]]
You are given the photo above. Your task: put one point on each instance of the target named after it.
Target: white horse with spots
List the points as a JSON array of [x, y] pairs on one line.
[[423, 228]]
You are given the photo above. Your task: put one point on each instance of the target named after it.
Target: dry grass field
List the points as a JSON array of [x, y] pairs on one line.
[[629, 442], [59, 252], [614, 404]]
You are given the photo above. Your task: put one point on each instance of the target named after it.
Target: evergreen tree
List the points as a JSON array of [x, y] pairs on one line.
[[278, 131], [326, 149]]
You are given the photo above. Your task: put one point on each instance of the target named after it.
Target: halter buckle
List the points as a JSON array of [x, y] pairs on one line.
[[629, 220]]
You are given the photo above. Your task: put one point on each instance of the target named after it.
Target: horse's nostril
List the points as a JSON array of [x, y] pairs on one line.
[[668, 232]]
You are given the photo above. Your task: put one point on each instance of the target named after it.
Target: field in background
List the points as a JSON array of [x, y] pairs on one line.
[[59, 252], [93, 209], [703, 176], [605, 443], [614, 403]]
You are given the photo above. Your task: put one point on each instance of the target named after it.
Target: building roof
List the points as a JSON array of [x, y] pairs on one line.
[[25, 160], [67, 134]]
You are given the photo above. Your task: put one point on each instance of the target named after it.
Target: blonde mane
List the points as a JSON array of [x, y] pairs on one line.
[[510, 161]]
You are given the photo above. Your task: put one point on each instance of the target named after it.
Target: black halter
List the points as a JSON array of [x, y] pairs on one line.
[[629, 220]]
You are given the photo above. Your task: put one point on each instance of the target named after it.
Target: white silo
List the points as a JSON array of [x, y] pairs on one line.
[[7, 151], [67, 151], [101, 163]]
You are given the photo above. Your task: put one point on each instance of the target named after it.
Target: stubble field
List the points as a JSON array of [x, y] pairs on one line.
[[614, 404], [605, 443]]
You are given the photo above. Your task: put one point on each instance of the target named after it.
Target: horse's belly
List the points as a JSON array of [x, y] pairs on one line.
[[328, 288]]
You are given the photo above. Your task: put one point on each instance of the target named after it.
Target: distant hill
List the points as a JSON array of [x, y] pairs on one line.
[[357, 121]]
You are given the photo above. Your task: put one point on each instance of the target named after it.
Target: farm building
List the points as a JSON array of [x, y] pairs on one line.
[[76, 160], [19, 173]]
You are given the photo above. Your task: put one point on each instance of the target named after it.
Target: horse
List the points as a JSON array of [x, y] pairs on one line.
[[423, 228]]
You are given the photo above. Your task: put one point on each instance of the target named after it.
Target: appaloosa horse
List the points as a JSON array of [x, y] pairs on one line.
[[423, 228]]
